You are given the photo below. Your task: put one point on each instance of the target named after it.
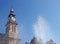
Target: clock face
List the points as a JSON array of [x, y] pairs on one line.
[[13, 18]]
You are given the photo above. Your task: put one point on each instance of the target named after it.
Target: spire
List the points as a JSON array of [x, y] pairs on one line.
[[11, 12]]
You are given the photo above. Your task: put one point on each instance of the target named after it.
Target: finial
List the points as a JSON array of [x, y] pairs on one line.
[[11, 9]]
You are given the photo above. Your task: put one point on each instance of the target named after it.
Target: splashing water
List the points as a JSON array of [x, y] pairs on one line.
[[42, 29]]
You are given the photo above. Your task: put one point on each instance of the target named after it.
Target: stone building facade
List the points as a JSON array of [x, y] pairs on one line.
[[11, 35]]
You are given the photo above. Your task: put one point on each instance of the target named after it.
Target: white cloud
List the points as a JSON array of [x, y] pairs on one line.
[[42, 29]]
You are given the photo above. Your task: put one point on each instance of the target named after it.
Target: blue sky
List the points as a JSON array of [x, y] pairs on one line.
[[27, 12]]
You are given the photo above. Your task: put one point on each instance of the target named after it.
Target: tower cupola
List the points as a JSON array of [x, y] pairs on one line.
[[11, 16]]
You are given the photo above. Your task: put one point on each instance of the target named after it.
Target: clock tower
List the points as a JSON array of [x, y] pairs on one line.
[[11, 29]]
